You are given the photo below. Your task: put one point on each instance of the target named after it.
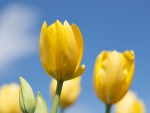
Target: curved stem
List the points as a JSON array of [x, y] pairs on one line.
[[57, 96], [108, 108]]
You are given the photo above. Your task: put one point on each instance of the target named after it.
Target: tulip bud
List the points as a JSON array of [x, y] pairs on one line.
[[130, 104], [40, 106], [26, 97], [61, 50], [70, 91], [113, 75], [9, 98]]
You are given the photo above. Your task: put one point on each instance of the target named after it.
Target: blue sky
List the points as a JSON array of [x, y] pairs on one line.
[[105, 25]]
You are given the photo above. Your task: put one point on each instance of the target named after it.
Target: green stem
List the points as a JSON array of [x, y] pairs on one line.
[[57, 96], [108, 108], [62, 110]]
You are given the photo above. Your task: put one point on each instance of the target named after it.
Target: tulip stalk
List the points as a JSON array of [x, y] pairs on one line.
[[108, 108], [57, 96]]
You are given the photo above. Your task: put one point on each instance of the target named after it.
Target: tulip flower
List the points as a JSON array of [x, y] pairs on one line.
[[9, 98], [130, 104], [70, 92], [61, 50], [113, 75]]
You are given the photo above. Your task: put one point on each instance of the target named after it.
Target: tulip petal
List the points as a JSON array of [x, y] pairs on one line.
[[129, 55], [69, 57], [77, 73], [56, 40], [48, 49], [130, 65], [79, 41]]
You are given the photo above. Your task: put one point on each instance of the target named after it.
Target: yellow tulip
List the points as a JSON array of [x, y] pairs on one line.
[[9, 98], [113, 75], [61, 50], [130, 104], [70, 91]]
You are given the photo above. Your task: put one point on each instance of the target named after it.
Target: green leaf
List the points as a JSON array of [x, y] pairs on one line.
[[40, 106], [26, 97]]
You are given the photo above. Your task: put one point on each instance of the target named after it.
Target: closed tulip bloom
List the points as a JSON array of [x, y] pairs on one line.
[[9, 98], [113, 75], [70, 91], [130, 104], [61, 50]]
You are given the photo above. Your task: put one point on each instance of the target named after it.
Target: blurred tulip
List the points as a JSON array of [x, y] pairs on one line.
[[61, 50], [9, 98], [113, 75], [130, 104], [70, 91]]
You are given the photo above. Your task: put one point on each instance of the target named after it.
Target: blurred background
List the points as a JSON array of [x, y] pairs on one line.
[[105, 25]]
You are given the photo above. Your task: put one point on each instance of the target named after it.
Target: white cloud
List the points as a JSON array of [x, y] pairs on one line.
[[16, 38]]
